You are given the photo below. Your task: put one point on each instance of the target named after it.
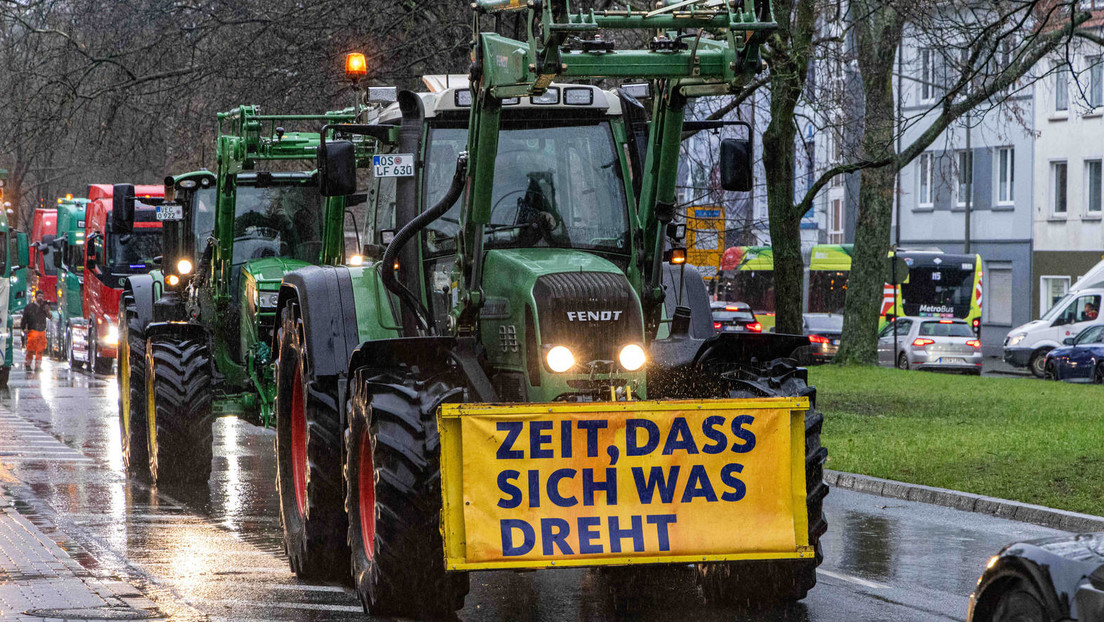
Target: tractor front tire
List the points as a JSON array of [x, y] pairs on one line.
[[308, 460], [131, 375], [178, 406], [393, 495], [783, 581]]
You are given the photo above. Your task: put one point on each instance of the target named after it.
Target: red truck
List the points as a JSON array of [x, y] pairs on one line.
[[111, 253], [43, 271]]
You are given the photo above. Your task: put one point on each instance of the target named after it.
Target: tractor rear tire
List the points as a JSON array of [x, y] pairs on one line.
[[178, 405], [393, 495], [308, 460], [131, 376], [783, 581]]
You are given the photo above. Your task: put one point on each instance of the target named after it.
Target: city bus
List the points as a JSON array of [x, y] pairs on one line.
[[938, 284]]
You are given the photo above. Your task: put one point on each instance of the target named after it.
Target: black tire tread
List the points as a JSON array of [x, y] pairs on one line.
[[407, 575], [135, 446], [743, 583], [184, 417], [315, 547]]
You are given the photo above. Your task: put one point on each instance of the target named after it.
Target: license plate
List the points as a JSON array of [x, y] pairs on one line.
[[734, 329], [835, 342], [949, 360], [169, 211]]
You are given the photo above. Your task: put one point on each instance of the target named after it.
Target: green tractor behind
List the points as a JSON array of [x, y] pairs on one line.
[[196, 335]]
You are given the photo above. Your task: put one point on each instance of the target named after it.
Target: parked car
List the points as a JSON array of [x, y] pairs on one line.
[[1080, 359], [1059, 578], [734, 317], [930, 343], [824, 331]]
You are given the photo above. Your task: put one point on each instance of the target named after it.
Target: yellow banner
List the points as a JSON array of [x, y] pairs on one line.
[[545, 485]]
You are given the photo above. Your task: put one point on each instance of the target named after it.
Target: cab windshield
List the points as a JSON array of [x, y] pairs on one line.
[[130, 253], [555, 185], [276, 221]]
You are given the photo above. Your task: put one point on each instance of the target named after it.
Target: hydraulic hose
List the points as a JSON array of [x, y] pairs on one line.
[[410, 229]]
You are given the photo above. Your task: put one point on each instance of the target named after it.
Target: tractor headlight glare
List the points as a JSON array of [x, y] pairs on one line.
[[172, 280], [560, 359], [183, 267], [112, 338], [632, 357]]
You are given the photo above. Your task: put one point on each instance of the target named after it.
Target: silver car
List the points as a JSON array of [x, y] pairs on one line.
[[930, 343]]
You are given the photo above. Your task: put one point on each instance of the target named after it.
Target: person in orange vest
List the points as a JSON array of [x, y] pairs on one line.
[[34, 330]]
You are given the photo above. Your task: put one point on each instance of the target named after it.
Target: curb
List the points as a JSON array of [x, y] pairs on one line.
[[968, 502]]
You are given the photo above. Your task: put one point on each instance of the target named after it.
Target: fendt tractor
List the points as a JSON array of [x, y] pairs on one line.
[[116, 245], [527, 377], [68, 255], [14, 257], [204, 322]]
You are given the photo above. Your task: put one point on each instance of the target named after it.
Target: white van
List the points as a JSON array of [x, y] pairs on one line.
[[1027, 345]]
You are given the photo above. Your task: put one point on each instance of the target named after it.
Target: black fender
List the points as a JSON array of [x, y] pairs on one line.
[[186, 330], [141, 287], [427, 353], [325, 298]]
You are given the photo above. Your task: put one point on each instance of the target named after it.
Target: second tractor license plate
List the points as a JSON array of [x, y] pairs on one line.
[[170, 212]]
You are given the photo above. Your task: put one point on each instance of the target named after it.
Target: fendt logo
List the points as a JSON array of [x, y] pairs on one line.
[[594, 316]]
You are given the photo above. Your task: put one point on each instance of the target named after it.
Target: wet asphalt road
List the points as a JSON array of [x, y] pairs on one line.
[[214, 552]]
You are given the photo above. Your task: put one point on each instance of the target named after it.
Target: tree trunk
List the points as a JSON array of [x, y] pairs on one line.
[[878, 33], [785, 230], [789, 63]]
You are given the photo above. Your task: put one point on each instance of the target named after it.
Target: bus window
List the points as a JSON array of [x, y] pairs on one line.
[[827, 290], [938, 289], [755, 287]]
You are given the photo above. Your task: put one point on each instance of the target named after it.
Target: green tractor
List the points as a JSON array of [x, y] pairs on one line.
[[524, 373], [196, 334]]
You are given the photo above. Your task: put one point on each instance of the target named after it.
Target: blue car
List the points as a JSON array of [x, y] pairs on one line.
[[1080, 360]]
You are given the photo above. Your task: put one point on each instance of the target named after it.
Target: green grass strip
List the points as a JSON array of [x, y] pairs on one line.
[[1013, 438]]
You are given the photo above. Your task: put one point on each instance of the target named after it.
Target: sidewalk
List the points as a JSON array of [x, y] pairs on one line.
[[40, 581]]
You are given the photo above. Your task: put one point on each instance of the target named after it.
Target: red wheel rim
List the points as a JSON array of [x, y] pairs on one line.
[[299, 442], [366, 488]]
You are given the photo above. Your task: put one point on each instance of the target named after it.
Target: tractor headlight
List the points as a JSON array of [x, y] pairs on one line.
[[172, 280], [183, 267], [560, 359], [268, 300], [112, 338], [632, 357], [356, 260]]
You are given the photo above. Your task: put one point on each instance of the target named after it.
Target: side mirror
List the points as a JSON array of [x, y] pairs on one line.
[[337, 168], [23, 249], [122, 208], [58, 252], [736, 165], [1068, 341], [90, 253]]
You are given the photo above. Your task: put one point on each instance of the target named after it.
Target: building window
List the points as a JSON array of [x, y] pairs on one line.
[[835, 222], [1092, 186], [1006, 174], [1096, 82], [1058, 176], [1061, 87], [965, 164], [927, 75], [924, 174], [998, 293], [1051, 290]]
